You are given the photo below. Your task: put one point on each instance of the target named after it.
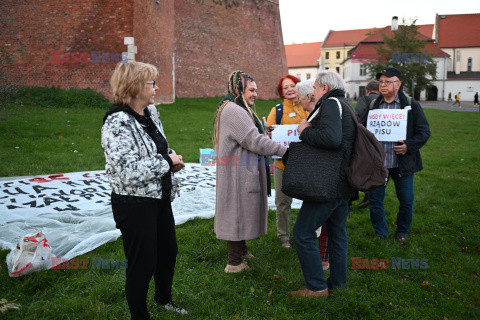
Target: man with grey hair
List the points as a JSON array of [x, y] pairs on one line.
[[306, 97], [330, 126]]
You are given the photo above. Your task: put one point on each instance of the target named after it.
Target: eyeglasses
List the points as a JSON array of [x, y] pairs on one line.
[[151, 82], [387, 82]]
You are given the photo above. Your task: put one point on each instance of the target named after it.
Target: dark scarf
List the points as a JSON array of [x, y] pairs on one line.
[[237, 82]]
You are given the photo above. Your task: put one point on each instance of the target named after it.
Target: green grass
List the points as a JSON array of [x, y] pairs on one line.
[[445, 230]]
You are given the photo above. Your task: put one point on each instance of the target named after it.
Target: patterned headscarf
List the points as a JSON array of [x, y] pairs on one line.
[[237, 81]]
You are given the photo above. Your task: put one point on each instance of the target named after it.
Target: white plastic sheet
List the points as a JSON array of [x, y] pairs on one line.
[[73, 209]]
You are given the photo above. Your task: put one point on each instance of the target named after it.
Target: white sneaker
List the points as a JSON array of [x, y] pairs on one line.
[[172, 306]]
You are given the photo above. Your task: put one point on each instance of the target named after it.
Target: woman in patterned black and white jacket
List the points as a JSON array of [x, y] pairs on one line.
[[139, 165]]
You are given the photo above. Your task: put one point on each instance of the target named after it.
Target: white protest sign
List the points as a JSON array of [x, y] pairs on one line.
[[284, 134], [388, 124]]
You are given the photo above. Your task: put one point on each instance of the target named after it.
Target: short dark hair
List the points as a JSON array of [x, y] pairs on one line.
[[372, 85]]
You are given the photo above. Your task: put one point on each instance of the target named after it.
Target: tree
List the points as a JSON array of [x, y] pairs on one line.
[[403, 51]]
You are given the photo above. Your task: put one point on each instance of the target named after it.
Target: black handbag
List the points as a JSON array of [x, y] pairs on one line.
[[311, 173]]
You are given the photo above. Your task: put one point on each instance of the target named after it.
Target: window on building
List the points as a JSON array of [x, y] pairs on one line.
[[338, 54], [363, 70], [338, 70], [309, 75], [327, 55], [469, 64]]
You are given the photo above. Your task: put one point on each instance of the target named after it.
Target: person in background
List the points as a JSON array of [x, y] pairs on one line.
[[457, 100], [475, 100], [326, 129], [363, 104], [305, 94], [307, 100], [139, 166], [291, 112], [402, 158], [243, 175], [362, 108]]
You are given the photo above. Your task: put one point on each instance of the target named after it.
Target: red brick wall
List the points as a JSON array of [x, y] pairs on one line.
[[153, 31], [211, 41], [30, 31], [194, 43]]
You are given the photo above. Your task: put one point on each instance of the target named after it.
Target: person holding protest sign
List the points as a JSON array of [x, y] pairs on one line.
[[330, 126], [307, 100], [243, 174], [402, 159], [290, 111], [305, 94], [139, 166]]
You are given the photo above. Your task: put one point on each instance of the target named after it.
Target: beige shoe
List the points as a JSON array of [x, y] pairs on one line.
[[286, 244], [236, 269]]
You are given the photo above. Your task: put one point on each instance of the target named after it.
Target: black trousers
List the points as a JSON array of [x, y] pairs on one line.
[[150, 246]]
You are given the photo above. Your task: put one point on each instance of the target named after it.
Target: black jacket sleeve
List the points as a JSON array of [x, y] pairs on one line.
[[326, 129], [418, 130]]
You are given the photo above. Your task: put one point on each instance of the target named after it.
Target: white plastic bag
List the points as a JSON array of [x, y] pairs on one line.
[[32, 254]]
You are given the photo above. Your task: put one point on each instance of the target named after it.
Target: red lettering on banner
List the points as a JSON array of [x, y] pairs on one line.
[[49, 178]]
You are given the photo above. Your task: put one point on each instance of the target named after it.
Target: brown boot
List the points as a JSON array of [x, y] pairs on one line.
[[304, 292]]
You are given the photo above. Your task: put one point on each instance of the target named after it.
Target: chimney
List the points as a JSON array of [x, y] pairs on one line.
[[394, 23]]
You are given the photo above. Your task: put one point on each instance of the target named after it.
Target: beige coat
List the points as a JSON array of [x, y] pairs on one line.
[[241, 205]]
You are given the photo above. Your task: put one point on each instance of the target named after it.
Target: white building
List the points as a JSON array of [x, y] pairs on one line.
[[302, 59], [355, 73], [459, 36]]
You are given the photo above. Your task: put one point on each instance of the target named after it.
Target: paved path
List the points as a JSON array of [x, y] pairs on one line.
[[447, 105]]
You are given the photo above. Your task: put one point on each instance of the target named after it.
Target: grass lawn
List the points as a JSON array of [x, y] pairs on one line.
[[38, 140]]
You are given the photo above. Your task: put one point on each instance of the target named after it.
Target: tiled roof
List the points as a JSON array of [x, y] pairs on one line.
[[353, 37], [345, 37], [426, 30], [367, 50], [378, 36], [303, 55], [458, 30]]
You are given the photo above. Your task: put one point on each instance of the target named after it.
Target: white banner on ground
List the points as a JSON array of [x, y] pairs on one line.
[[73, 209], [388, 124]]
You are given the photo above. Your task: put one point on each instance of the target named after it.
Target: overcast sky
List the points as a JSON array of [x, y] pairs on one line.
[[310, 20]]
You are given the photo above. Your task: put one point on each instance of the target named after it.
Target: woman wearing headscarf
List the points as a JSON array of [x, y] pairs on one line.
[[242, 174], [139, 166], [291, 113]]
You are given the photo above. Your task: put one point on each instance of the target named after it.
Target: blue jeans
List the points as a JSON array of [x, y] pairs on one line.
[[311, 216], [404, 189]]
